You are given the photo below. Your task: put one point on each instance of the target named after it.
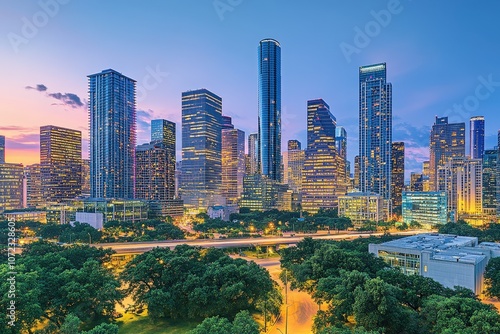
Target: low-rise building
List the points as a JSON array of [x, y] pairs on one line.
[[427, 208], [22, 216], [361, 207], [222, 212], [448, 259]]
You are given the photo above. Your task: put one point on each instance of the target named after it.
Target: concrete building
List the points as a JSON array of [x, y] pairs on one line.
[[222, 212], [427, 208], [11, 186], [120, 210], [94, 219], [448, 259], [33, 187], [361, 207], [233, 161], [293, 161], [22, 216]]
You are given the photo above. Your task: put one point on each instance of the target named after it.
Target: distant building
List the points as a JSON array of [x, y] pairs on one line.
[[446, 141], [260, 193], [426, 208], [94, 219], [293, 165], [85, 178], [22, 216], [416, 182], [361, 207], [356, 172], [221, 212], [476, 139], [233, 161], [11, 186], [117, 209], [33, 186], [253, 149], [163, 131], [448, 259], [426, 176], [2, 149], [398, 172], [60, 163], [490, 175]]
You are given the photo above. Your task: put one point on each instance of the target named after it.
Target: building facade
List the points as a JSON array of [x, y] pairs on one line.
[[201, 176], [490, 188], [233, 161], [398, 172], [60, 163], [253, 149], [293, 161], [426, 208], [164, 132], [33, 186], [11, 186], [269, 155], [2, 149], [361, 207], [112, 118], [375, 130], [476, 137]]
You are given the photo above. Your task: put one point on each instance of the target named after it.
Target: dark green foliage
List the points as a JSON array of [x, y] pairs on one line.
[[243, 323], [492, 278]]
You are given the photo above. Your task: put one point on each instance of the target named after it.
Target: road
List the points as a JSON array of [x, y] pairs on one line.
[[141, 247]]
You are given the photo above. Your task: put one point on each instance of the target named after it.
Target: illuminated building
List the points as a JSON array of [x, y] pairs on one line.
[[253, 149], [341, 141], [375, 130], [416, 182], [323, 176], [427, 208], [163, 131], [361, 207], [2, 149], [261, 193], [85, 178], [60, 163], [117, 209], [201, 149], [425, 176], [152, 172], [269, 155], [446, 141], [233, 161], [476, 137], [490, 167], [293, 161], [112, 117], [22, 216], [398, 172], [34, 190], [11, 186], [356, 172]]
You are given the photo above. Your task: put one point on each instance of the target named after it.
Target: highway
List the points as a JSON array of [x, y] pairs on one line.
[[141, 247]]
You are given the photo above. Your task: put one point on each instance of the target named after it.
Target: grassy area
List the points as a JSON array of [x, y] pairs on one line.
[[133, 324]]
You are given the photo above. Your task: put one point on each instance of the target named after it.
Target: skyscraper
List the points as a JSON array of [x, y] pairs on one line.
[[476, 137], [11, 186], [163, 131], [375, 130], [446, 141], [34, 189], [398, 172], [60, 163], [294, 164], [356, 172], [201, 149], [269, 155], [151, 172], [253, 149], [490, 165], [112, 118], [233, 161], [341, 141], [324, 169], [2, 149]]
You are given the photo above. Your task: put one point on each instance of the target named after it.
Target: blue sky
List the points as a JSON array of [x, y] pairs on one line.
[[438, 55]]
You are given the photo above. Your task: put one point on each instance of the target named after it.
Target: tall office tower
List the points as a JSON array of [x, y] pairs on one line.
[[498, 174], [375, 130], [151, 172], [11, 186], [178, 175], [293, 161], [356, 172], [85, 178], [60, 163], [476, 139], [446, 141], [416, 182], [462, 180], [233, 161], [163, 131], [34, 191], [201, 149], [324, 169], [341, 141], [398, 172], [269, 154], [490, 166], [112, 117], [2, 149], [425, 176], [253, 149]]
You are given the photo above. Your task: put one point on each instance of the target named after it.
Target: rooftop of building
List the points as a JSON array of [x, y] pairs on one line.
[[461, 254], [432, 242], [360, 194]]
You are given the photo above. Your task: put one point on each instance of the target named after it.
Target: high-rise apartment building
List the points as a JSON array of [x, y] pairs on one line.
[[375, 130], [446, 142], [323, 177], [398, 172], [151, 174], [476, 137], [60, 163], [269, 155], [201, 149], [112, 118], [233, 161]]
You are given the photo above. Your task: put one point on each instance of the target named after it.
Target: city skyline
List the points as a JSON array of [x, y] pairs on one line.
[[414, 56]]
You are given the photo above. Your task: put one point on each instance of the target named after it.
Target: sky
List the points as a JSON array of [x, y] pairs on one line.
[[442, 60]]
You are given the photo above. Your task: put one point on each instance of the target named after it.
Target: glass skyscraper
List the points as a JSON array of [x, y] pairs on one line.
[[253, 149], [398, 172], [2, 149], [293, 162], [163, 131], [233, 161], [375, 130], [11, 186], [476, 137], [112, 118], [201, 176], [60, 163], [490, 166], [269, 155]]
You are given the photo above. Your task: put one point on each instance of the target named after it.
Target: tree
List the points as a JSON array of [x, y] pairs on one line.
[[243, 323], [103, 329], [71, 325], [492, 278]]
